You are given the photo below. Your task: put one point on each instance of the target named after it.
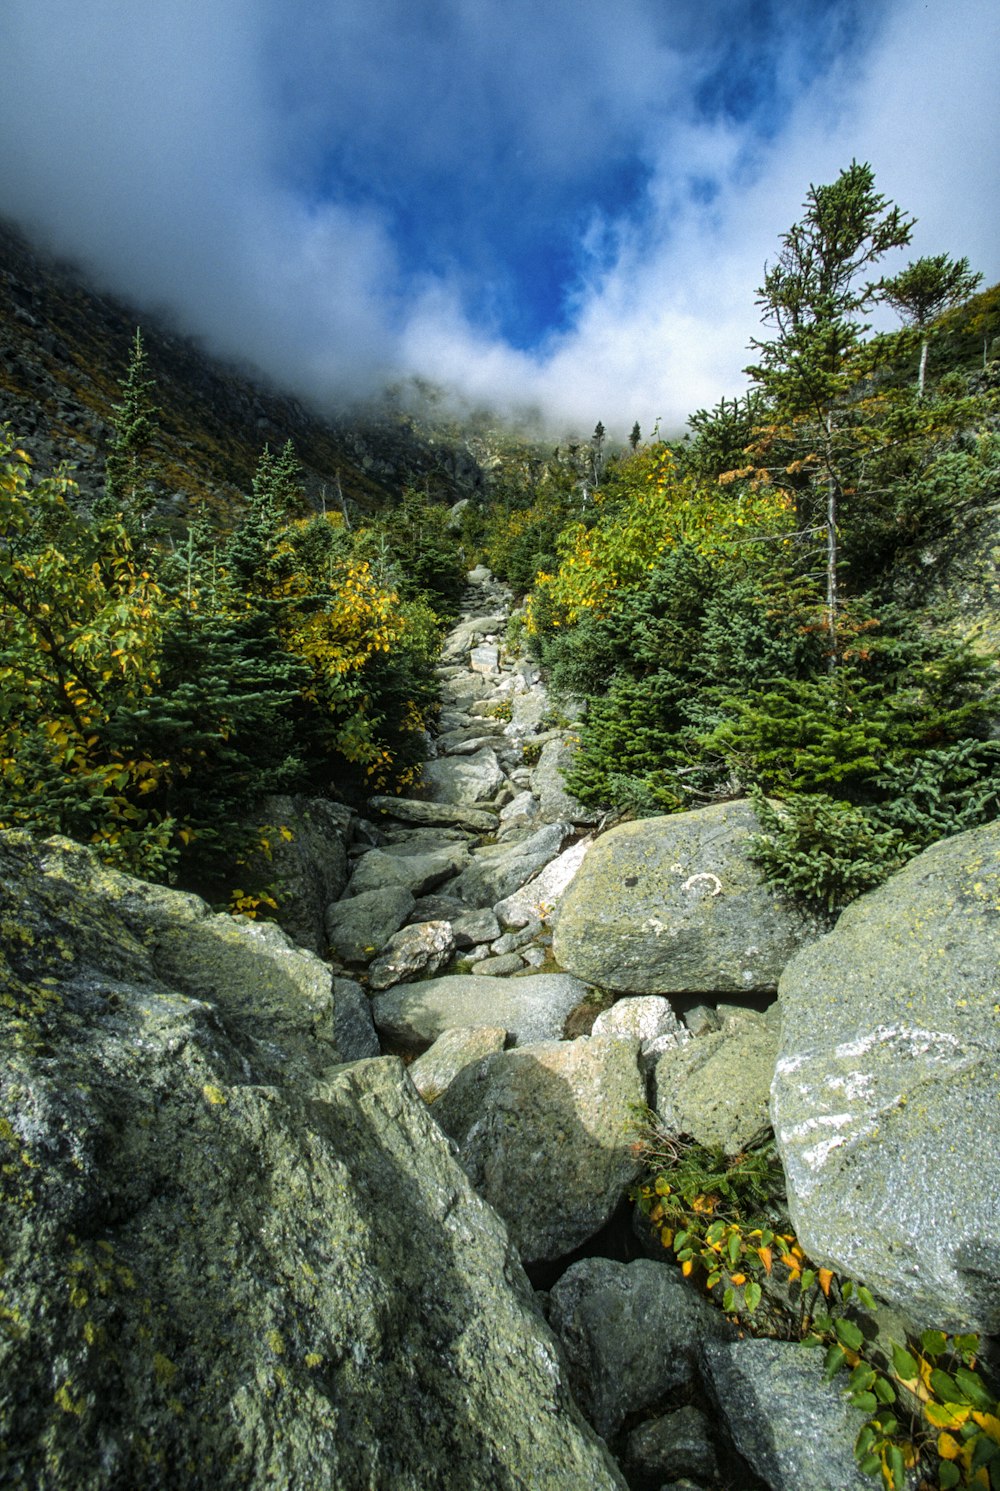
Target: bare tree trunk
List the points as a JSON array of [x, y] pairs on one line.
[[338, 492], [832, 492], [923, 367]]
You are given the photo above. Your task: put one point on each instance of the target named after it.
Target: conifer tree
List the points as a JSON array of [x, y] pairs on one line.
[[127, 465], [814, 296], [923, 290]]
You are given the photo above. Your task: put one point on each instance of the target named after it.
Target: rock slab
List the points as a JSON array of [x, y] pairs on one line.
[[545, 1133], [887, 1092], [674, 905]]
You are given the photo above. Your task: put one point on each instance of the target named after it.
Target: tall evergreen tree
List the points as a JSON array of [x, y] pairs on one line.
[[127, 468], [814, 296]]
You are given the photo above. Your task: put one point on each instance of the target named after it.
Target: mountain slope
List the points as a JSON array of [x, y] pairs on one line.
[[64, 347]]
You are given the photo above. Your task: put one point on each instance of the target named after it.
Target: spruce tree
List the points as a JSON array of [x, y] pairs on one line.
[[127, 467], [925, 289], [814, 296]]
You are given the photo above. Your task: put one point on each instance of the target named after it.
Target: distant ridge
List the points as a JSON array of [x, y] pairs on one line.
[[64, 348]]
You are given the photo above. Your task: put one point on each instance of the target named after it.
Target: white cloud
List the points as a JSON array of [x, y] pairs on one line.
[[182, 150]]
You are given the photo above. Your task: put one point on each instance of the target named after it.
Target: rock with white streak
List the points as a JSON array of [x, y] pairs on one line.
[[540, 899], [421, 948], [887, 1089]]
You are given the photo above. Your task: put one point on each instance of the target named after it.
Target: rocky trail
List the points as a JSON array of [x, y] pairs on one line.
[[273, 1199]]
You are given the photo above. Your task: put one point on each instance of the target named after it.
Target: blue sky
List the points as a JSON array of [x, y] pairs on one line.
[[542, 203]]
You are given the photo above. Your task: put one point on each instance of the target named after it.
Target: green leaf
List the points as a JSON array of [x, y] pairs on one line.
[[946, 1388], [866, 1297], [972, 1385], [808, 1279], [729, 1300], [862, 1378], [847, 1332], [870, 1465], [733, 1247], [833, 1361], [948, 1475], [897, 1468], [884, 1390], [933, 1342], [864, 1441], [751, 1295], [867, 1402], [903, 1364]]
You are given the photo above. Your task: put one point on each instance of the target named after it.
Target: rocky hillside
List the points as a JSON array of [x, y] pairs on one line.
[[247, 1246], [64, 348]]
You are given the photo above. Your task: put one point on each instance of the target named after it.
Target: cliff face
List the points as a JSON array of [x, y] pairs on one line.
[[64, 348]]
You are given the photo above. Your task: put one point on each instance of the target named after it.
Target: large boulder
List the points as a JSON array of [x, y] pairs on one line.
[[433, 814], [463, 779], [209, 1276], [435, 1071], [532, 1007], [303, 858], [549, 786], [888, 1087], [418, 872], [795, 1428], [718, 1088], [546, 1134], [541, 897], [420, 948], [500, 869], [632, 1333], [675, 905], [360, 926]]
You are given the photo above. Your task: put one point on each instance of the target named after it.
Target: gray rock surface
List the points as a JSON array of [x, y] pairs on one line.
[[353, 1027], [887, 1090], [541, 896], [718, 1088], [547, 783], [433, 814], [358, 927], [499, 870], [545, 1133], [499, 965], [677, 1444], [463, 779], [632, 1333], [674, 905], [796, 1430], [305, 861], [419, 873], [532, 1007], [647, 1018], [475, 927], [433, 1073], [420, 948], [211, 1279]]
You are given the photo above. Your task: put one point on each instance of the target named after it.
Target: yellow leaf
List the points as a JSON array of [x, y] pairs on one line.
[[764, 1254], [948, 1446], [825, 1277], [738, 1279], [947, 1415], [989, 1423], [687, 1267]]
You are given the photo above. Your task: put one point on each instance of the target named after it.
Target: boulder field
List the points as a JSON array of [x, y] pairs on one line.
[[268, 1196]]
